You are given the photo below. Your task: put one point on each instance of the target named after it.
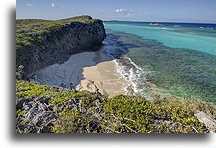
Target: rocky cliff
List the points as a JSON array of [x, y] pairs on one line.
[[41, 43]]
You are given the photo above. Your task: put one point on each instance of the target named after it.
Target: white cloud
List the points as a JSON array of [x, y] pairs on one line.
[[121, 11], [127, 13], [53, 5], [29, 5]]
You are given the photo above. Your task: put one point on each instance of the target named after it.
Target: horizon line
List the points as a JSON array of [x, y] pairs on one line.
[[214, 23], [160, 22]]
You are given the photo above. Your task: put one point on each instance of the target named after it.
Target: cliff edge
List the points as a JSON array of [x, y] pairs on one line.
[[40, 43]]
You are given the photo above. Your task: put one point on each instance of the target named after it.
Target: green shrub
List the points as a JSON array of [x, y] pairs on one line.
[[94, 113]]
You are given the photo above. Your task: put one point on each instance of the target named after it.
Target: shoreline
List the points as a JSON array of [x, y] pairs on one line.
[[104, 77], [100, 71], [92, 71], [140, 84]]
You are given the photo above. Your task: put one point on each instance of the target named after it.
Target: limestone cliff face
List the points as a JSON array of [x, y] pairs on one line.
[[56, 46]]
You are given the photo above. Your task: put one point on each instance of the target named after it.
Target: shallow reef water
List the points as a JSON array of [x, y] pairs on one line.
[[178, 60]]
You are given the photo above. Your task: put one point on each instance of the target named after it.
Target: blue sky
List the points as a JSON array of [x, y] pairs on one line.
[[202, 11]]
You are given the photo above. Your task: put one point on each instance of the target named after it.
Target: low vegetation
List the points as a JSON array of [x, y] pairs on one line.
[[85, 112]]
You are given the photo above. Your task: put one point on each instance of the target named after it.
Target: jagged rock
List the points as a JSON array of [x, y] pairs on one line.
[[207, 120], [20, 102], [43, 100], [36, 117]]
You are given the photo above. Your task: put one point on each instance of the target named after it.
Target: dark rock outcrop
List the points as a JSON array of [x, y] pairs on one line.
[[36, 117]]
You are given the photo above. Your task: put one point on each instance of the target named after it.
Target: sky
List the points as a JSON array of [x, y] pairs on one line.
[[194, 11]]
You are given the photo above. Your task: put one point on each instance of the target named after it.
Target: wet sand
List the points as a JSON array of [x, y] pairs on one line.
[[92, 71]]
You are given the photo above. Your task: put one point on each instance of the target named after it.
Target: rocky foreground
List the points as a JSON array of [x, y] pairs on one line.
[[45, 109]]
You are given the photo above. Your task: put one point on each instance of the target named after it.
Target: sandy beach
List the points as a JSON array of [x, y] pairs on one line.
[[92, 71]]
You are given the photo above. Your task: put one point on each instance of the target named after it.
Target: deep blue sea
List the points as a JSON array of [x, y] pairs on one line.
[[167, 58]]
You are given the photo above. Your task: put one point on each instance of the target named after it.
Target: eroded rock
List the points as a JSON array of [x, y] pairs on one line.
[[207, 120]]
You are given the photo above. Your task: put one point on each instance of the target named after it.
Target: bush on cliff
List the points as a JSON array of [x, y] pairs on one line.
[[29, 31]]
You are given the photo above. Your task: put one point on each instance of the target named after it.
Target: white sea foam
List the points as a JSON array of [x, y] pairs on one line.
[[136, 75]]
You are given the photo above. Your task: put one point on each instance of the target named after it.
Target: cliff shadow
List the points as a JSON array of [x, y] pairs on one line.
[[115, 47]]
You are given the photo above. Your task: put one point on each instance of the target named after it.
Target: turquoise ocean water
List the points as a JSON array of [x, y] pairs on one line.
[[179, 59]]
